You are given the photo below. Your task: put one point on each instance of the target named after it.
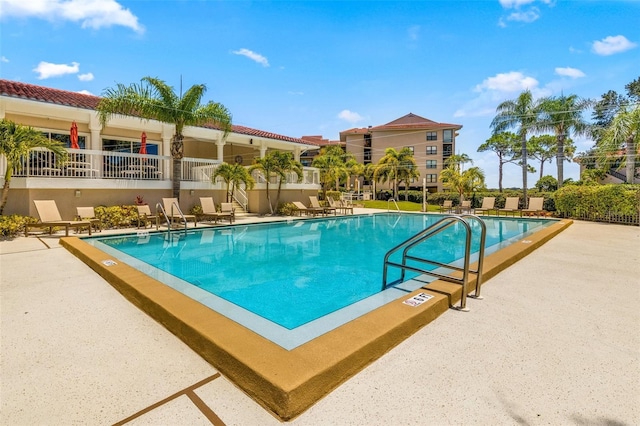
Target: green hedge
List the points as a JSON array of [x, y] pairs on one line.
[[598, 202], [437, 198]]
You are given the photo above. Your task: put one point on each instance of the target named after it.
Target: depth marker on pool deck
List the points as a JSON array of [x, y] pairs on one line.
[[418, 299]]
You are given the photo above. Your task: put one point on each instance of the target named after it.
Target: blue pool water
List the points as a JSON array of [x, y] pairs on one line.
[[294, 273]]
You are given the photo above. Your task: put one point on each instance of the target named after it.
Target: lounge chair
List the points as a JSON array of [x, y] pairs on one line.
[[536, 205], [89, 214], [511, 206], [338, 206], [227, 210], [50, 218], [446, 205], [307, 210], [347, 205], [174, 214], [487, 206], [316, 205], [209, 211], [465, 207], [145, 216]]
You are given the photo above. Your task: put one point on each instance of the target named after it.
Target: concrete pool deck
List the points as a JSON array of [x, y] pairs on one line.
[[555, 341]]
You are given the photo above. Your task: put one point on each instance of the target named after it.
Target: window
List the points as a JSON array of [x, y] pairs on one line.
[[431, 178], [432, 164], [130, 147], [367, 149], [65, 139], [432, 136], [432, 150], [447, 136]]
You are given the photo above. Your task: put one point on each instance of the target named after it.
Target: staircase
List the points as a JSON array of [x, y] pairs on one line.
[[239, 211]]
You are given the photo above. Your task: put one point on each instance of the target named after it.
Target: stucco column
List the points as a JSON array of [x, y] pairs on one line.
[[296, 154], [95, 143], [263, 149], [220, 154], [166, 135]]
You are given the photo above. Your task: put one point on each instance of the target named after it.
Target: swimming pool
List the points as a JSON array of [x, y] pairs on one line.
[[292, 281]]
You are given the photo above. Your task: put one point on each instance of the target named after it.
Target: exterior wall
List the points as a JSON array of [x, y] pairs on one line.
[[258, 202]]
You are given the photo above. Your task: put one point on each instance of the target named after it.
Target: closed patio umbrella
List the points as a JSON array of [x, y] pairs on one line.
[[74, 136], [143, 143]]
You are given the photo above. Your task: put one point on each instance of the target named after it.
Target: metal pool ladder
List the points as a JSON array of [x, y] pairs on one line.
[[427, 233], [394, 202], [170, 218]]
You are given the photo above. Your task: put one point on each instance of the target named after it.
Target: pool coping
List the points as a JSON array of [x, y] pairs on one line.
[[289, 382]]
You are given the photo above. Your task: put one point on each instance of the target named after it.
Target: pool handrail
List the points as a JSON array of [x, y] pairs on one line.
[[394, 202], [423, 235]]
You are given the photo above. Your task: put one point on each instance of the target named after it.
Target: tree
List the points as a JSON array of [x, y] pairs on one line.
[[522, 113], [153, 99], [464, 182], [395, 166], [15, 143], [505, 145], [332, 165], [276, 164], [547, 183], [563, 116], [233, 175], [544, 147], [622, 135]]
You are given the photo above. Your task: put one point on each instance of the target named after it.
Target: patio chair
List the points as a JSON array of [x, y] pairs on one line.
[[227, 210], [316, 205], [209, 211], [50, 218], [487, 206], [145, 216], [307, 210], [446, 205], [535, 206], [465, 207], [89, 214], [174, 214], [347, 206], [511, 206], [338, 206]]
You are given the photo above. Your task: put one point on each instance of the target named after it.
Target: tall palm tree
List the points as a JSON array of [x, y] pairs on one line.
[[394, 166], [563, 116], [153, 99], [623, 134], [462, 182], [267, 167], [233, 175], [523, 113], [15, 143]]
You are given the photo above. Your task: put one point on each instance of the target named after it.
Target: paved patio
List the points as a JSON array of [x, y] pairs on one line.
[[556, 340]]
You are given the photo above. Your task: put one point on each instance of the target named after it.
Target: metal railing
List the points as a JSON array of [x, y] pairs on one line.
[[427, 233], [198, 169], [170, 218], [394, 202]]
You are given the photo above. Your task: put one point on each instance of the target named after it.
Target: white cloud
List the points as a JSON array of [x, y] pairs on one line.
[[4, 59], [350, 116], [513, 81], [569, 72], [253, 56], [48, 70], [508, 4], [85, 92], [85, 77], [526, 16], [611, 45], [93, 14]]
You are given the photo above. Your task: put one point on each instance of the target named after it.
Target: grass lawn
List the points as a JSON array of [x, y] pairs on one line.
[[403, 205]]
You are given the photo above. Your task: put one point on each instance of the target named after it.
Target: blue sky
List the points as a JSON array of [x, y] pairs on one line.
[[319, 67]]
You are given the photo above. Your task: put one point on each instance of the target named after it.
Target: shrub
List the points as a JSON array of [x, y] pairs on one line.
[[117, 216], [598, 202], [287, 209], [12, 225]]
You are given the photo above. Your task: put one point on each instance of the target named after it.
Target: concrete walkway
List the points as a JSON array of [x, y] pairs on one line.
[[556, 340]]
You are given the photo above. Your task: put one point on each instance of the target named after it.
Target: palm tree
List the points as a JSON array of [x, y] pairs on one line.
[[504, 144], [622, 134], [277, 164], [153, 99], [563, 116], [15, 143], [395, 166], [233, 175], [462, 182], [522, 113], [332, 165]]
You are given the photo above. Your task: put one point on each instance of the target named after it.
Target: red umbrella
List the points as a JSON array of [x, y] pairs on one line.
[[74, 136], [143, 143]]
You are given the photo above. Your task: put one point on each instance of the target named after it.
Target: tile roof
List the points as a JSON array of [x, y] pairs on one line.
[[407, 122], [15, 89]]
